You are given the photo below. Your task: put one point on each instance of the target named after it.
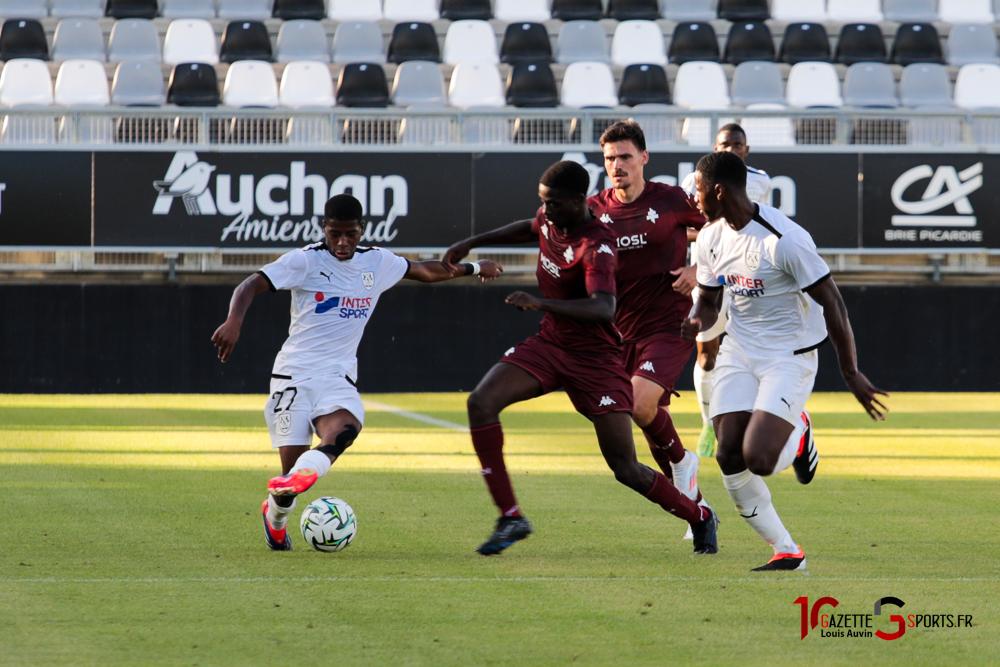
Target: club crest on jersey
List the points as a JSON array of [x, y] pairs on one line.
[[368, 279], [753, 259], [284, 423], [606, 219], [568, 255], [652, 216]]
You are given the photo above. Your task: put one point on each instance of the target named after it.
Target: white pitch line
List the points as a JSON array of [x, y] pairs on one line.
[[494, 579], [416, 416]]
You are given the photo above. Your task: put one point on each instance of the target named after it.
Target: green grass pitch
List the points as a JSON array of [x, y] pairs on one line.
[[131, 535]]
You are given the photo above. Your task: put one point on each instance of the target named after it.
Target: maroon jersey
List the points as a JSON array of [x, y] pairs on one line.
[[651, 237], [573, 267]]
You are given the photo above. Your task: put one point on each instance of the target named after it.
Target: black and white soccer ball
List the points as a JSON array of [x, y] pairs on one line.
[[328, 524]]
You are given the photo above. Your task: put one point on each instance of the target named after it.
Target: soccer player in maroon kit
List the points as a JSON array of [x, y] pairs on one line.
[[577, 348], [651, 222]]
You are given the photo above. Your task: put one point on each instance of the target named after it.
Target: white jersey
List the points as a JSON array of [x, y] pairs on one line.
[[764, 267], [758, 185], [332, 301]]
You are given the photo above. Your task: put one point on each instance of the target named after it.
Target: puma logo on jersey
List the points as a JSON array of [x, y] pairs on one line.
[[568, 255], [604, 248], [606, 219], [325, 275], [652, 216], [648, 366], [606, 400], [508, 352]]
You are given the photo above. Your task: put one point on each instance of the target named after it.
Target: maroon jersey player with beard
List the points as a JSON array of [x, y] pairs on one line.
[[578, 348], [651, 222]]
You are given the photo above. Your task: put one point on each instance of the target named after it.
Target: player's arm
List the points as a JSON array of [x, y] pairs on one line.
[[514, 233], [225, 336], [433, 271], [597, 307], [704, 313], [686, 277], [838, 326]]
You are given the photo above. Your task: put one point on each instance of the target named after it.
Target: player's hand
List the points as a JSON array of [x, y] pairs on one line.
[[489, 270], [690, 328], [225, 338], [524, 301], [686, 280], [867, 395], [453, 255]]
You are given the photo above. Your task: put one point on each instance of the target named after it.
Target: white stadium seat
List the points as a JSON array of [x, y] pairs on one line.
[[813, 85], [24, 9], [476, 85], [796, 11], [854, 11], [25, 82], [418, 82], [306, 84], [78, 39], [588, 85], [399, 11], [977, 87], [82, 83], [966, 11], [244, 10], [187, 9], [515, 11], [970, 43], [581, 41], [702, 85], [134, 39], [355, 10], [190, 41], [470, 41], [250, 83], [87, 9], [638, 42]]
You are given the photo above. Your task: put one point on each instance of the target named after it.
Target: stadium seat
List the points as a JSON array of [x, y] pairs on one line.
[[633, 10], [133, 39], [860, 43], [132, 9], [644, 84], [813, 85], [250, 83], [245, 40], [25, 9], [306, 84], [245, 10], [25, 82], [970, 43], [581, 41], [911, 11], [187, 9], [693, 40], [925, 85], [757, 83], [770, 131], [701, 85], [355, 10], [965, 11], [459, 10], [410, 10], [803, 42], [798, 11], [526, 42], [138, 83], [190, 41], [362, 85], [978, 87], [532, 85], [916, 43], [476, 85], [357, 42], [84, 9], [303, 39], [286, 10], [588, 85], [82, 83], [637, 42], [23, 38], [690, 10], [78, 39], [577, 10], [413, 41], [193, 85], [870, 85], [515, 11], [418, 82], [743, 10], [470, 41], [854, 11], [749, 41]]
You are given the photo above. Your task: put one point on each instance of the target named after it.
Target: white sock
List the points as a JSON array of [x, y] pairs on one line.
[[753, 501], [277, 515], [314, 459], [790, 449], [703, 389]]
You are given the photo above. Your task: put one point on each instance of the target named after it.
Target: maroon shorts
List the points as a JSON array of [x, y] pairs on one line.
[[660, 358], [596, 384]]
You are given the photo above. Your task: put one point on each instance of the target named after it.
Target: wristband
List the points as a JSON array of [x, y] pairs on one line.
[[471, 268]]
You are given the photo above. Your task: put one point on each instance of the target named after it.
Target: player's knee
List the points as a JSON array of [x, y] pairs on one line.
[[343, 440], [626, 472], [644, 412], [730, 461], [707, 361], [481, 408], [759, 463]]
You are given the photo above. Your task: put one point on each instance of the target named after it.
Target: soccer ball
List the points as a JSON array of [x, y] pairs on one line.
[[328, 524]]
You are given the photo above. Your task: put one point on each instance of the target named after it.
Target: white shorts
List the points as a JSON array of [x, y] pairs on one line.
[[719, 327], [779, 385], [294, 404]]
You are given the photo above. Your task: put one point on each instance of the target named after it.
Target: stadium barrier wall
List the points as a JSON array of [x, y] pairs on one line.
[[153, 339], [274, 200]]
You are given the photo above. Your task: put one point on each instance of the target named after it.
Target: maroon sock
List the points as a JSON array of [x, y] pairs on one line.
[[669, 498], [664, 442], [488, 443]]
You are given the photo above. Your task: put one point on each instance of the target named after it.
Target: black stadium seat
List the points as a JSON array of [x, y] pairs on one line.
[[743, 10], [362, 85], [23, 38], [694, 40], [916, 43], [577, 10], [132, 9], [632, 10], [245, 40], [644, 84], [804, 42], [413, 41], [526, 43], [458, 10], [193, 85], [860, 43], [532, 85], [749, 41], [299, 9]]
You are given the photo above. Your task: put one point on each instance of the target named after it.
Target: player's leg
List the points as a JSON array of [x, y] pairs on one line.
[[704, 367]]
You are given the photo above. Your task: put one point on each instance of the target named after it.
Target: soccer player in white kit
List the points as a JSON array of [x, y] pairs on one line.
[[731, 138], [335, 287], [784, 303]]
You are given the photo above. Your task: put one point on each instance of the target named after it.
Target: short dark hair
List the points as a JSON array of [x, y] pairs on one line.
[[567, 176], [732, 127], [725, 168], [625, 130], [343, 208]]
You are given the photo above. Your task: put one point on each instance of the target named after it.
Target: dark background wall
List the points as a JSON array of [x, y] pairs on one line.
[[153, 339]]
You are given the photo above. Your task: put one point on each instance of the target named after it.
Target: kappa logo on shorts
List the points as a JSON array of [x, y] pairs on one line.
[[606, 400], [648, 366], [284, 423], [368, 279], [604, 248]]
